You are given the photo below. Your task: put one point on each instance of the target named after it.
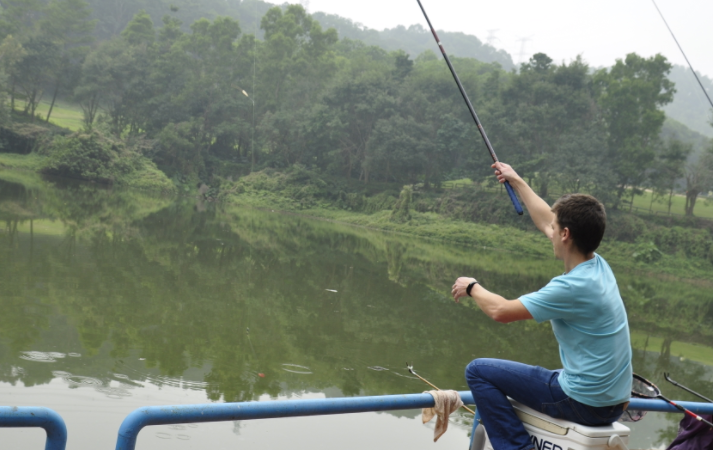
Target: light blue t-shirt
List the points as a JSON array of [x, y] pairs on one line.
[[591, 327]]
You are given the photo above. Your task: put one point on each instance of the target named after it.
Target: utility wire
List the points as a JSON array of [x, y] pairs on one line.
[[252, 139], [683, 53]]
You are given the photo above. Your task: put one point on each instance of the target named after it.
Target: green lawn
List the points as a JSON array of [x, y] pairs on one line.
[[683, 350], [66, 115], [642, 203], [704, 207], [26, 162]]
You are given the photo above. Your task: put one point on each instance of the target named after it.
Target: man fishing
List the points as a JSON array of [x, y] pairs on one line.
[[588, 319]]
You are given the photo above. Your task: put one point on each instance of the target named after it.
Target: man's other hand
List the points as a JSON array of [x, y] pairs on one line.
[[459, 287]]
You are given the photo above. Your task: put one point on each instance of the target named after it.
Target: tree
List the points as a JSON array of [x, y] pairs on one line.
[[96, 83], [630, 95], [67, 25], [699, 179], [297, 59], [19, 17], [31, 73], [344, 125], [668, 169], [11, 53], [400, 149], [550, 117], [139, 30]]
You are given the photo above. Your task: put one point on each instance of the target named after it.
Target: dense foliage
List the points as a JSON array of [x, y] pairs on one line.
[[218, 101], [94, 157]]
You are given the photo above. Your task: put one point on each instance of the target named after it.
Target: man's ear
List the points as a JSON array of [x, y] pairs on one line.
[[566, 234]]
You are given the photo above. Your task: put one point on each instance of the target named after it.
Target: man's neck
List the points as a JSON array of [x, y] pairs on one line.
[[574, 258]]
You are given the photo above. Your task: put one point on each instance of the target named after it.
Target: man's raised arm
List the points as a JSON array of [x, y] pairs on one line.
[[539, 210]]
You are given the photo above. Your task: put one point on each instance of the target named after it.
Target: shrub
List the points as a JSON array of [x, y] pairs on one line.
[[94, 157], [402, 208], [624, 227], [87, 156]]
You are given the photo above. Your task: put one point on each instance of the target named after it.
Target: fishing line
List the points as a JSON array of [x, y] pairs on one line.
[[413, 372], [252, 138], [683, 53]]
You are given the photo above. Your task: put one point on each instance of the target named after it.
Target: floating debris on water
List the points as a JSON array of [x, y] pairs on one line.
[[78, 380], [330, 290], [44, 357], [294, 368]]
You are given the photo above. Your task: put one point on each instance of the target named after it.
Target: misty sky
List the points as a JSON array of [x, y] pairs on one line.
[[601, 31]]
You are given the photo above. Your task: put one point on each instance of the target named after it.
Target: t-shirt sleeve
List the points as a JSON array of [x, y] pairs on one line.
[[553, 301]]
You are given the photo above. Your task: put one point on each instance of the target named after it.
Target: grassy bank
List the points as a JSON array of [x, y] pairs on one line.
[[31, 162], [629, 244], [704, 206], [144, 176], [65, 115], [683, 350], [85, 155]]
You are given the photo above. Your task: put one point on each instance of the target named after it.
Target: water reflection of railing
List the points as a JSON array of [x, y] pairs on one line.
[[219, 412]]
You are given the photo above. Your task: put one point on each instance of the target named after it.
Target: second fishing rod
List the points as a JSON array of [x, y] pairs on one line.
[[509, 188]]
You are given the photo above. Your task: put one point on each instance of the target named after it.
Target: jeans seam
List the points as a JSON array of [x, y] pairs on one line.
[[512, 371]]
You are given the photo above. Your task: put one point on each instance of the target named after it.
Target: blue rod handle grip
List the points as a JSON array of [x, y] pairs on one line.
[[513, 197]]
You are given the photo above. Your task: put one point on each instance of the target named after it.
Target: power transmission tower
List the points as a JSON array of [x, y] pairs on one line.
[[523, 41], [491, 37]]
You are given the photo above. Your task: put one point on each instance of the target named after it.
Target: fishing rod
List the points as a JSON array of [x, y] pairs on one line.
[[665, 375], [643, 388], [683, 53], [509, 188], [413, 372]]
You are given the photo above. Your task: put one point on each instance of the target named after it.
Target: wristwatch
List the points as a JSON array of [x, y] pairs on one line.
[[470, 287]]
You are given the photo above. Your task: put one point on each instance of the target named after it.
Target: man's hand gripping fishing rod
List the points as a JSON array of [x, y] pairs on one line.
[[509, 188]]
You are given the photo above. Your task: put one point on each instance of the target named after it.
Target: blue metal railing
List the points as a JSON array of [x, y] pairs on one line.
[[36, 417], [662, 406], [217, 412]]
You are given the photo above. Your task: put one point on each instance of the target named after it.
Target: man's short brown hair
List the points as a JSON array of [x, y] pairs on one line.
[[585, 217]]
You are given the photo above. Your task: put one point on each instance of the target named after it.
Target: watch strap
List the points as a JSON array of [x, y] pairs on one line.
[[470, 287]]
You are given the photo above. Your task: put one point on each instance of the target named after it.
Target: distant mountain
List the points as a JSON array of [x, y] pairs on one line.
[[112, 17], [416, 39], [690, 105]]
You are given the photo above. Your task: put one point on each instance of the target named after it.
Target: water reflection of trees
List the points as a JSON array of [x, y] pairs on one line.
[[184, 286]]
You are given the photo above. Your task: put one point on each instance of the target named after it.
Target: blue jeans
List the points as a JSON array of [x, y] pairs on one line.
[[493, 380]]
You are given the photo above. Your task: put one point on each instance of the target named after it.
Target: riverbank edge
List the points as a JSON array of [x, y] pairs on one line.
[[620, 255], [147, 179]]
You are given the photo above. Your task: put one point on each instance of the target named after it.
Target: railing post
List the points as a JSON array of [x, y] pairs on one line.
[[36, 417]]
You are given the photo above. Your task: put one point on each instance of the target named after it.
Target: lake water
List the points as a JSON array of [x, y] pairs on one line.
[[112, 300]]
